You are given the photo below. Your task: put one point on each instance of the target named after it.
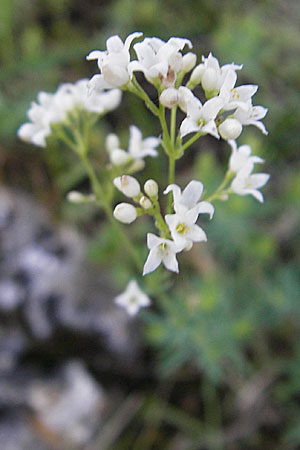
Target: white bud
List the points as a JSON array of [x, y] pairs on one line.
[[78, 197], [118, 157], [75, 197], [197, 73], [112, 142], [169, 97], [125, 213], [230, 129], [188, 62], [151, 188], [209, 80], [128, 185], [145, 202]]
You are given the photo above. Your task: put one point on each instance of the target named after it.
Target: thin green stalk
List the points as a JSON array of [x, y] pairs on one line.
[[107, 208], [173, 124], [171, 180], [228, 176], [191, 141], [167, 144], [136, 89]]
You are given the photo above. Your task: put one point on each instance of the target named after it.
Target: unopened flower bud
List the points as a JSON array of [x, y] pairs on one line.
[[230, 129], [197, 73], [125, 213], [188, 62], [151, 188], [128, 185], [75, 197], [145, 202], [209, 80], [169, 97], [118, 157], [112, 142]]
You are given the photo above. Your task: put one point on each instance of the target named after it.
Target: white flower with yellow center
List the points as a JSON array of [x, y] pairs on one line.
[[187, 207], [161, 250], [244, 183], [200, 117], [252, 116], [133, 298]]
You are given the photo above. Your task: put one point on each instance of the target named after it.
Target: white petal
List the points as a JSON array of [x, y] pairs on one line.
[[170, 262], [153, 261], [196, 234], [205, 208], [153, 240], [192, 193], [131, 37], [188, 126], [259, 180]]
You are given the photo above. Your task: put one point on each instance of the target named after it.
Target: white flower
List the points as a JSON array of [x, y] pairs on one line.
[[125, 213], [139, 148], [236, 97], [189, 198], [200, 117], [241, 156], [230, 129], [182, 225], [244, 183], [113, 63], [53, 108], [128, 185], [252, 116], [161, 250], [133, 298], [159, 60], [213, 76]]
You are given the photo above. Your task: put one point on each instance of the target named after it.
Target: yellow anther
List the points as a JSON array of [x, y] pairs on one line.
[[182, 228]]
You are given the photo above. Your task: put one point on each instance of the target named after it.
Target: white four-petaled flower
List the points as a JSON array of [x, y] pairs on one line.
[[161, 250], [200, 117], [240, 156], [133, 298], [245, 183], [187, 208]]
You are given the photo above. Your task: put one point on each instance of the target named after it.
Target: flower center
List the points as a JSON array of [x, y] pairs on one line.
[[182, 228], [234, 93], [201, 122]]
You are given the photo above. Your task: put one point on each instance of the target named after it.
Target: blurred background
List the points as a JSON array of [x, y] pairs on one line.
[[217, 365]]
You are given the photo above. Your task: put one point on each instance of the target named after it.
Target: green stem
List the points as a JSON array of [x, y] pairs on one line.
[[173, 124], [159, 221], [136, 89], [102, 199], [171, 180], [228, 177], [191, 141]]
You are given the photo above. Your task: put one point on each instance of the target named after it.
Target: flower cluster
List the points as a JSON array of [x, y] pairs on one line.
[[53, 108], [172, 70]]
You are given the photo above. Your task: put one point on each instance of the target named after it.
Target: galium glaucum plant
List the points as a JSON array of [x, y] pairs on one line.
[[70, 113]]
